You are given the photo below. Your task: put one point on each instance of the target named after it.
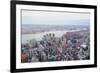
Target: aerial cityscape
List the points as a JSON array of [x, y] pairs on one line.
[[52, 36]]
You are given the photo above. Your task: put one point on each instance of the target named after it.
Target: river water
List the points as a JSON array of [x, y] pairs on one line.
[[38, 36]]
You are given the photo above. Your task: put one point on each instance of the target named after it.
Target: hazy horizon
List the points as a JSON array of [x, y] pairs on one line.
[[54, 18]]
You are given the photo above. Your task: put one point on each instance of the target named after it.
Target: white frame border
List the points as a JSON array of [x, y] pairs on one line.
[[20, 65]]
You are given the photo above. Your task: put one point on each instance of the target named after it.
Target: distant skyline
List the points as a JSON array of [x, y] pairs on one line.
[[55, 18]]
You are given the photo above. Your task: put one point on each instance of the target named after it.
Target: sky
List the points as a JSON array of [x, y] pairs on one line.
[[54, 18]]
